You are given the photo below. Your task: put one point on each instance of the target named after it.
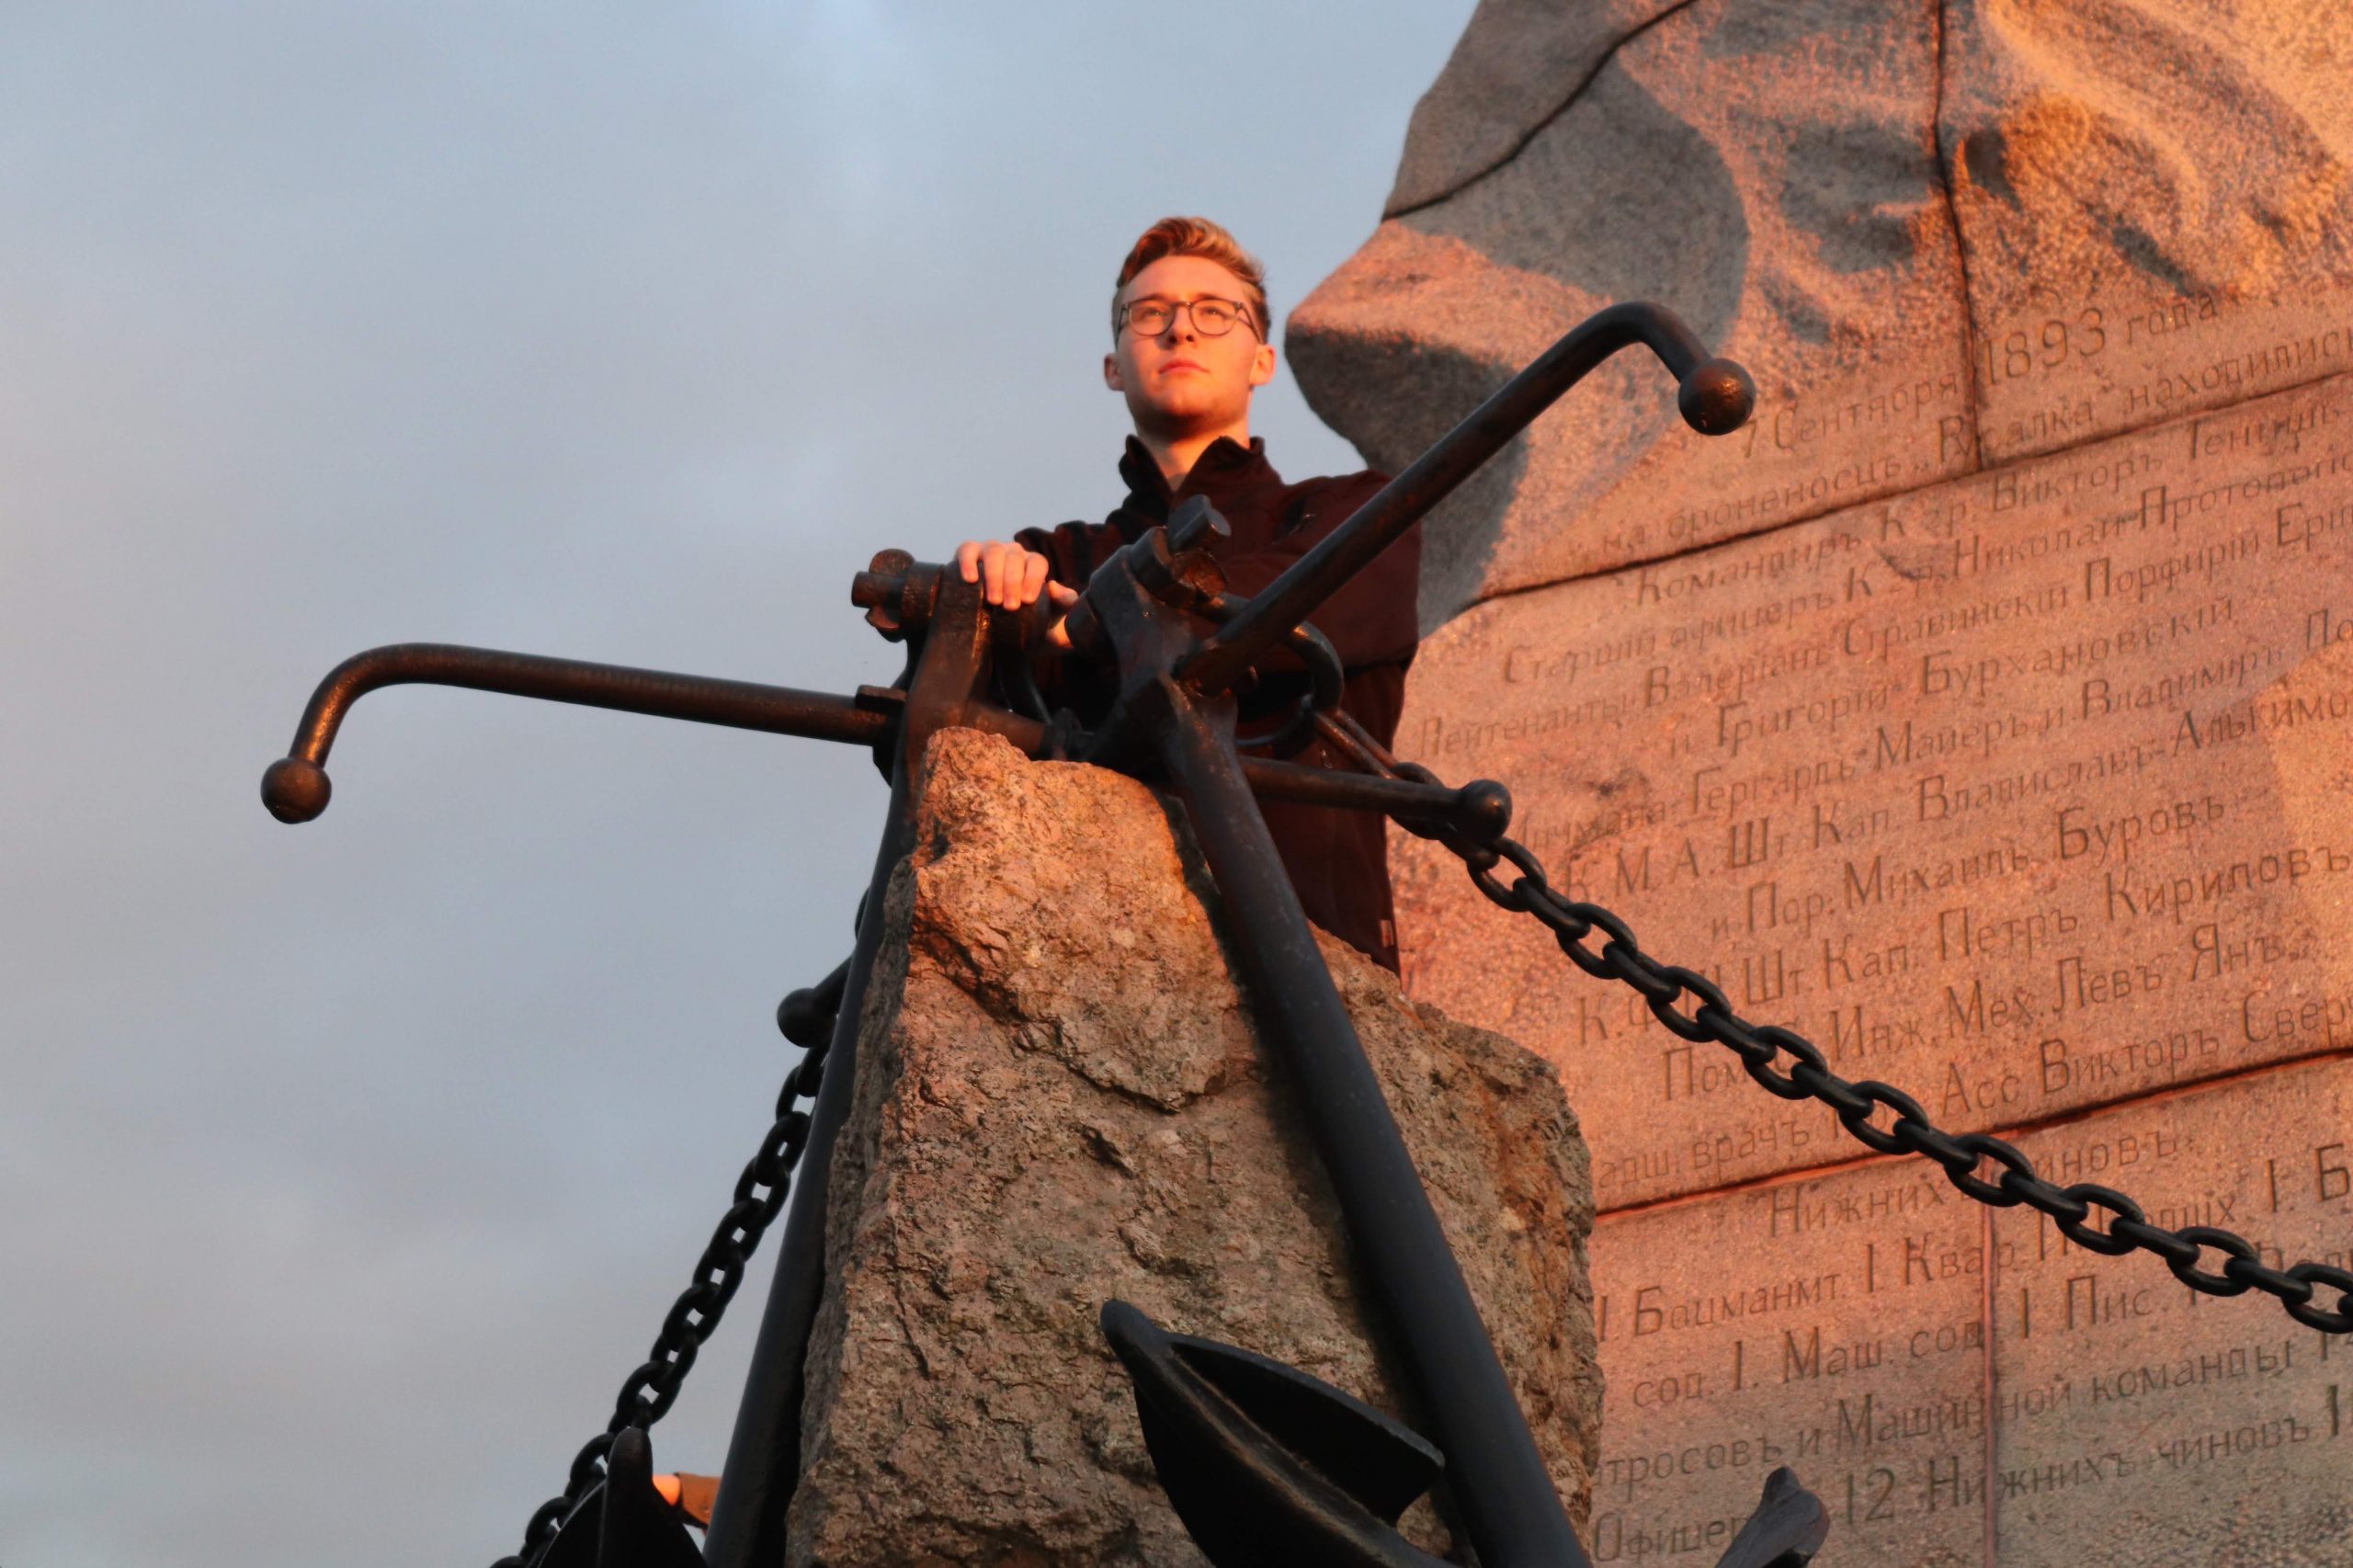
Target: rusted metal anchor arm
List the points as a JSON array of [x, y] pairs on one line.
[[295, 788], [1715, 398]]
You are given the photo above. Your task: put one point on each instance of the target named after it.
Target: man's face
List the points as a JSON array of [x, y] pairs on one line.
[[1180, 379]]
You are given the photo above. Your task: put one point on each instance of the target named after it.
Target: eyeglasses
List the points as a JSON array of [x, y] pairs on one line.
[[1213, 317]]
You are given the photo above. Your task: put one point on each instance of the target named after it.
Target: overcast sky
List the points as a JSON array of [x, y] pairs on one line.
[[346, 1169]]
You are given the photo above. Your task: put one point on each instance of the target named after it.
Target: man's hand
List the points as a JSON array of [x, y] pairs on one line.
[[692, 1495], [1011, 577]]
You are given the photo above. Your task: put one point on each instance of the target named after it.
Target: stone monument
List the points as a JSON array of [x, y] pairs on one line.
[[1980, 711], [1060, 1102]]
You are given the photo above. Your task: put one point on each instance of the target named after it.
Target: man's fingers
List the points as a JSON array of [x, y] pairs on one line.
[[1010, 575]]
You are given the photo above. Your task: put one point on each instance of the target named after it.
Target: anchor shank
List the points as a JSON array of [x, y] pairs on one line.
[[1506, 1498]]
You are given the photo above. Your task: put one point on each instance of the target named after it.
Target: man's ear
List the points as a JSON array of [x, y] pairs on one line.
[[1262, 365], [1111, 374]]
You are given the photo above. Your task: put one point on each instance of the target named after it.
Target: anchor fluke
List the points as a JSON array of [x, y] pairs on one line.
[[1266, 1464], [1788, 1528]]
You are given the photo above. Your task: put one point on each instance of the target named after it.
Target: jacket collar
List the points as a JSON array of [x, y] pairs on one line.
[[1225, 468]]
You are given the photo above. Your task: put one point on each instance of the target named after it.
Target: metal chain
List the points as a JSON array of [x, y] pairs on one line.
[[648, 1392], [2240, 1269]]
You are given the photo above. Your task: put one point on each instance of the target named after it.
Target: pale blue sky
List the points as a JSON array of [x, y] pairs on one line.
[[344, 1170]]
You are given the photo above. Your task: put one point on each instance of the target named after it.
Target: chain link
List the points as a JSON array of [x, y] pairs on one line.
[[2011, 1181], [648, 1392]]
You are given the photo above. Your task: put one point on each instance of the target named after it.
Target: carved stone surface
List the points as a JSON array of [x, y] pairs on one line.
[[1763, 174], [1942, 235], [2024, 792], [1059, 1101], [1984, 713], [1860, 1324], [2156, 206], [2176, 1428], [1748, 1330]]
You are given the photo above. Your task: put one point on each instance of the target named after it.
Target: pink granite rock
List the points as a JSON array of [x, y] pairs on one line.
[[1766, 171], [1967, 1389], [2006, 756], [1518, 64], [2013, 792], [2155, 203], [1939, 235]]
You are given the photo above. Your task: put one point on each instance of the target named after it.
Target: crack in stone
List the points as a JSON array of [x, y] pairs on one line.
[[1960, 249], [1533, 131]]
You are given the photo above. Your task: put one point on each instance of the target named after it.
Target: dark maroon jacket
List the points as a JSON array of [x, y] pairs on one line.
[[1338, 859]]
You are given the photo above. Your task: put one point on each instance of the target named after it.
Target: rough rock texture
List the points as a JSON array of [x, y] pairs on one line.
[[1942, 234], [1058, 1101]]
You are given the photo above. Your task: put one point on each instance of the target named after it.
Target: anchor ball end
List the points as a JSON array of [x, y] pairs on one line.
[[804, 1019], [1716, 397], [295, 790], [1484, 810]]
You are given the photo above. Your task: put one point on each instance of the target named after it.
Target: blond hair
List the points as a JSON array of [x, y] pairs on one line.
[[1195, 236]]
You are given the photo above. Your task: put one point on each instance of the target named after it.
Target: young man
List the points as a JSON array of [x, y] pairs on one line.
[[1189, 325]]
